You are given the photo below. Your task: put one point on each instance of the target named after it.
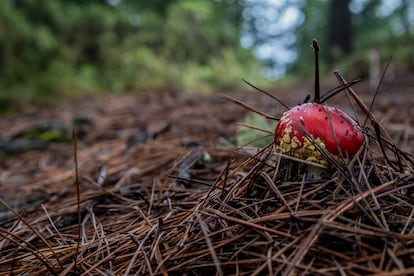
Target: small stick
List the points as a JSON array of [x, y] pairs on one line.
[[77, 183], [316, 48]]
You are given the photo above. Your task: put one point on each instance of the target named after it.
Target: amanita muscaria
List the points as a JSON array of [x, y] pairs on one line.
[[305, 125], [305, 130]]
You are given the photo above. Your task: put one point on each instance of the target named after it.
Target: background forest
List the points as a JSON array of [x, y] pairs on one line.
[[50, 49]]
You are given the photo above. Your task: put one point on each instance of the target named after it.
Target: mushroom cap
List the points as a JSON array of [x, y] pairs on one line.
[[331, 128]]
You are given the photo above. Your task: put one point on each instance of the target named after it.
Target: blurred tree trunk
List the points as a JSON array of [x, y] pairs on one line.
[[404, 13], [339, 30]]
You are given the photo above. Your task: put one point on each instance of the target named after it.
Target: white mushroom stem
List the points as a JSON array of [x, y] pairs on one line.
[[315, 171]]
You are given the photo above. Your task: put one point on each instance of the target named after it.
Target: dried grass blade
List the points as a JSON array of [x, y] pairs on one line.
[[314, 234], [255, 128], [216, 261], [275, 189], [304, 247], [248, 224], [371, 116], [36, 252], [35, 232], [248, 107], [266, 93], [77, 184], [53, 224]]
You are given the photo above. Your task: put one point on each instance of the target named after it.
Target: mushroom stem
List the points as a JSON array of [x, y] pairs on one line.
[[315, 172]]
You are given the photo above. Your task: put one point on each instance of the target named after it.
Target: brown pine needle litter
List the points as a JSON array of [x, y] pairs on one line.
[[161, 208]]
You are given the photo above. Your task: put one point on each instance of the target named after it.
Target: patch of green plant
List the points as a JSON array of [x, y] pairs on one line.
[[258, 136]]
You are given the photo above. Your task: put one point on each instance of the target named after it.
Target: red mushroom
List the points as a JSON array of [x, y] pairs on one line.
[[307, 129], [330, 128]]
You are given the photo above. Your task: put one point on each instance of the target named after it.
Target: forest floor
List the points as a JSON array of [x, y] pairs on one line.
[[128, 147]]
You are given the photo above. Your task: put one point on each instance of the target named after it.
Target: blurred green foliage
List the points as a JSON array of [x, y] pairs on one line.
[[65, 47], [55, 48], [386, 26]]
